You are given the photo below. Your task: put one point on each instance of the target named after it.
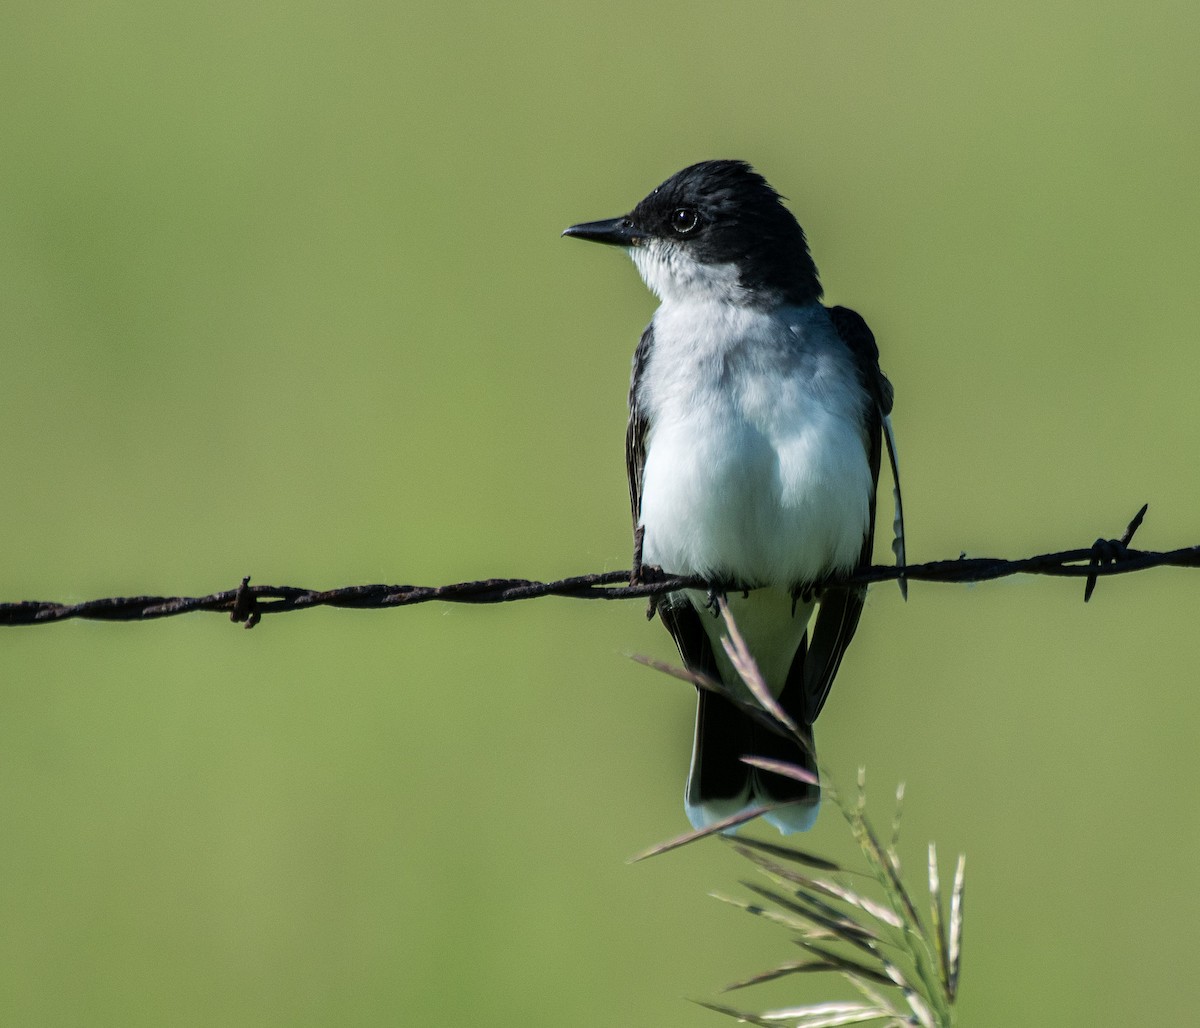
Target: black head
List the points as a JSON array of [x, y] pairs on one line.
[[710, 217]]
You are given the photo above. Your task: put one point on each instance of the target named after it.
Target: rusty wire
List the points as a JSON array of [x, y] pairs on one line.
[[247, 603]]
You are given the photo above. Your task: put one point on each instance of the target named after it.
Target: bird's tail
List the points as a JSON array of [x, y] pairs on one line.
[[720, 784]]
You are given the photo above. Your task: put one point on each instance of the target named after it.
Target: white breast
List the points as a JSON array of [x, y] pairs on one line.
[[756, 467]]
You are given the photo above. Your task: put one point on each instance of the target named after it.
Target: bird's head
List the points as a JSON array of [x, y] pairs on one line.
[[717, 230]]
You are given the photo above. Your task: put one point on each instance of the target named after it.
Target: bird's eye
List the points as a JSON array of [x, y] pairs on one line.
[[684, 219]]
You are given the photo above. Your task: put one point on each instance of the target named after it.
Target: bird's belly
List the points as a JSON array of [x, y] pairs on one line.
[[725, 499]]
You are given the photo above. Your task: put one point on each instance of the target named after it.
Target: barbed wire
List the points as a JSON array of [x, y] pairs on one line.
[[247, 603]]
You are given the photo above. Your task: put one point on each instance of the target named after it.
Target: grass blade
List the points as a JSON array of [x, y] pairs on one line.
[[793, 967], [827, 888], [937, 915], [747, 668], [828, 1015], [736, 1014], [783, 768], [956, 925], [715, 828], [789, 853]]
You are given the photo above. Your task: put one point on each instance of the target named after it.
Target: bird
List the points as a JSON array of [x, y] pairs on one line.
[[752, 451]]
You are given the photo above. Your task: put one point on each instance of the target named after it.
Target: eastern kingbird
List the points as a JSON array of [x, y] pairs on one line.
[[753, 448]]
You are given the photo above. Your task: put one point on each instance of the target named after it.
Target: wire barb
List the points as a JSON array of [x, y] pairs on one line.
[[245, 606], [1110, 551]]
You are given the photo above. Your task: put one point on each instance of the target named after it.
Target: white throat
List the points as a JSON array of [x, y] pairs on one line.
[[672, 275]]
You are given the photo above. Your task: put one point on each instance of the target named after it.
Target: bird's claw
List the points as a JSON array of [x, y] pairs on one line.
[[647, 574], [713, 601], [639, 573], [802, 594], [644, 574]]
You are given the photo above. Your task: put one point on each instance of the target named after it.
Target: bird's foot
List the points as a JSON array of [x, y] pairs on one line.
[[713, 600], [644, 574], [648, 574], [802, 594], [635, 568]]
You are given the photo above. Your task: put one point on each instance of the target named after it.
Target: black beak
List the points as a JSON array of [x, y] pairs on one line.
[[614, 232]]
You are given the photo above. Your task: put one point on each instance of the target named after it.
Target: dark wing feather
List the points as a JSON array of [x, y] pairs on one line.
[[841, 607], [635, 431], [855, 334], [723, 733]]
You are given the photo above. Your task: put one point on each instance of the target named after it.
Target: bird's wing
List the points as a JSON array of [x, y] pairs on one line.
[[635, 432], [723, 734], [855, 334], [841, 606]]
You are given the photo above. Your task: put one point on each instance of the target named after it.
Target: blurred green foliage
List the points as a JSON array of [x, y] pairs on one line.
[[281, 293]]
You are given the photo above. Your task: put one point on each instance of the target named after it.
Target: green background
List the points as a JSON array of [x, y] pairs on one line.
[[282, 294]]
